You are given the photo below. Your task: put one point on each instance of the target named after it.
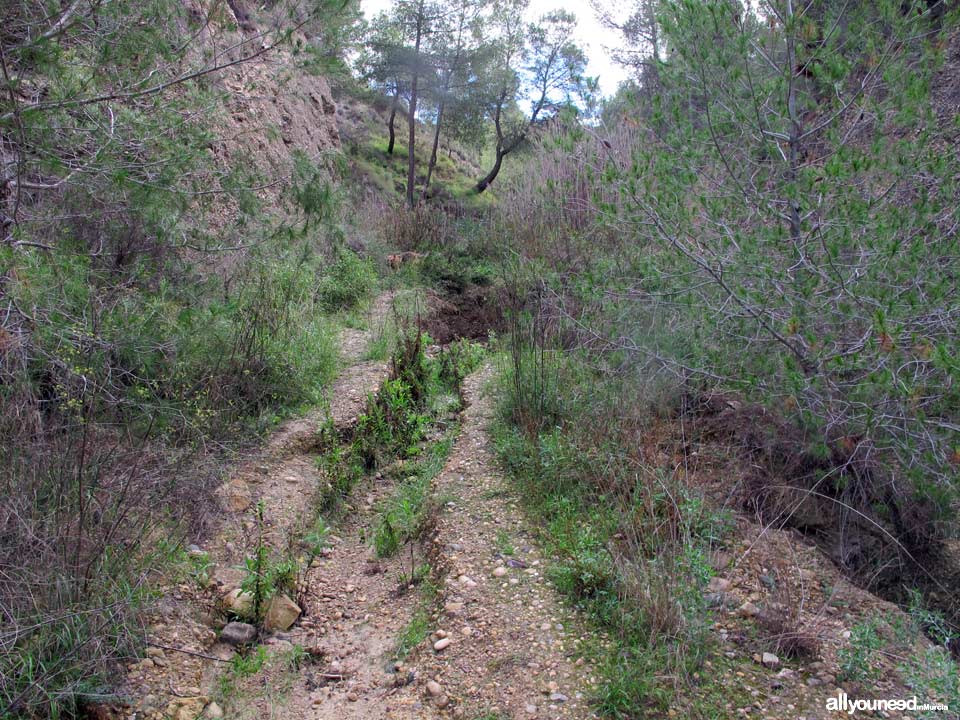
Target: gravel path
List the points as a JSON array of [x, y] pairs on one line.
[[499, 640], [512, 647]]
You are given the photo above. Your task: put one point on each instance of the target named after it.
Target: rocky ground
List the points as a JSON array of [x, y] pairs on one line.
[[497, 640], [491, 638]]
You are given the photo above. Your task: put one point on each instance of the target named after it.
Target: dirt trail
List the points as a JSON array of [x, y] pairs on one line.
[[184, 657], [506, 646], [513, 648]]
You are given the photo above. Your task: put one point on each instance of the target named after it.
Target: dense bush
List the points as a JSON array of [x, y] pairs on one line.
[[141, 332], [773, 218], [349, 280]]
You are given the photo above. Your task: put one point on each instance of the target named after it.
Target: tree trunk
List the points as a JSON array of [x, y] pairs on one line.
[[494, 171], [412, 124], [411, 142], [433, 153], [393, 117]]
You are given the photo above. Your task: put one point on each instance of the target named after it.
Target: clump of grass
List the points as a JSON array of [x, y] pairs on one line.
[[504, 544], [406, 513], [350, 280], [418, 627]]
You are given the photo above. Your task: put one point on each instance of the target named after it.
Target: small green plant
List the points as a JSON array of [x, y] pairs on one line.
[[933, 676], [503, 543], [405, 514], [295, 658], [256, 566], [241, 666], [266, 576], [855, 657], [349, 281], [932, 623], [418, 628], [200, 564]]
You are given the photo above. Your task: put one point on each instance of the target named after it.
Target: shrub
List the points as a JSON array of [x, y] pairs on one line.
[[347, 283]]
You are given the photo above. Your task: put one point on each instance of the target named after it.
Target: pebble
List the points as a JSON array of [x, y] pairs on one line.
[[499, 571], [748, 609], [719, 585], [558, 697], [433, 687], [770, 660], [531, 709], [441, 644]]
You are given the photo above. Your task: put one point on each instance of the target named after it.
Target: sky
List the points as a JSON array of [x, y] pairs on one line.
[[590, 35]]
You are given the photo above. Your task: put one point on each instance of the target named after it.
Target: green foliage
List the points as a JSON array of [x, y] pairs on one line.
[[349, 281], [418, 627], [932, 674], [855, 658], [242, 666], [268, 573], [405, 514]]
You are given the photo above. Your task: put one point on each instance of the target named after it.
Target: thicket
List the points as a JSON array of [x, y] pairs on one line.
[[141, 333], [775, 216], [767, 214]]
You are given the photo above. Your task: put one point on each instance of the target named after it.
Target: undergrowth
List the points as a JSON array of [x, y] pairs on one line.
[[630, 541]]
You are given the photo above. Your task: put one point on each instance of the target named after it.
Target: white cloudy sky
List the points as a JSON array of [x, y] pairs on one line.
[[590, 35]]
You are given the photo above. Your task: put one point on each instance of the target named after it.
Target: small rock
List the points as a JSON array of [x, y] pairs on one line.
[[770, 660], [748, 609], [282, 613], [186, 708], [719, 585], [352, 696], [499, 571], [213, 711], [558, 697], [442, 701], [433, 687], [452, 608], [531, 709], [239, 603], [238, 633], [441, 644]]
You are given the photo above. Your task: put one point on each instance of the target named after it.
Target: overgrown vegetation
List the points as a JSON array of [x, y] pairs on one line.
[[766, 216], [631, 541], [152, 313]]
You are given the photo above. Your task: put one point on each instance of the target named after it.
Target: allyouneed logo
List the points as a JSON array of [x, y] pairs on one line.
[[843, 703]]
